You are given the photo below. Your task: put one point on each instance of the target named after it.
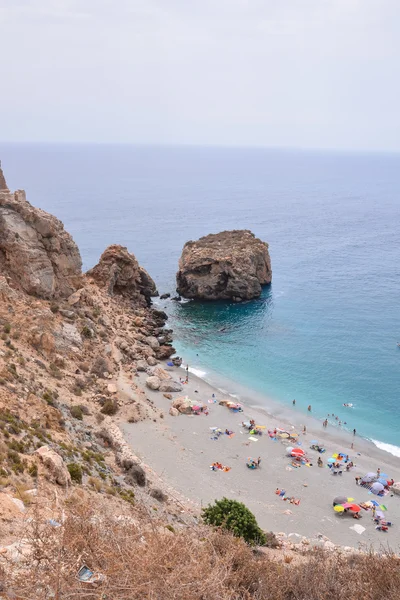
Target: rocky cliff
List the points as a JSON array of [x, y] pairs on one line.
[[3, 184], [36, 252], [120, 273], [223, 266]]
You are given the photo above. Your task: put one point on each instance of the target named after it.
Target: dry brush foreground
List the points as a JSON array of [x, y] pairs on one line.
[[143, 559]]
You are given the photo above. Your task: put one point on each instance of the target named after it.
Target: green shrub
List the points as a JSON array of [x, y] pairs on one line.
[[86, 332], [33, 470], [75, 471], [55, 371], [236, 518], [110, 407], [76, 412], [7, 328]]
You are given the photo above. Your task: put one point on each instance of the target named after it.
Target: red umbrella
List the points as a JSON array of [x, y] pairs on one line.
[[354, 508], [298, 452]]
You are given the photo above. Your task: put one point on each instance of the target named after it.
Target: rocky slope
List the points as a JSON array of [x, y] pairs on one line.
[[71, 346], [224, 266]]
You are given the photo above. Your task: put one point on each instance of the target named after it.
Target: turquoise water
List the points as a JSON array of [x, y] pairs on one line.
[[325, 331]]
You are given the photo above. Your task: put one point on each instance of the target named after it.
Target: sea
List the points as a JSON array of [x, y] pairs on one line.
[[325, 331]]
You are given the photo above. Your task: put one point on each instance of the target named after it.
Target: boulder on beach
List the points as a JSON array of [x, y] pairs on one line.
[[153, 382], [231, 265], [182, 405], [170, 386]]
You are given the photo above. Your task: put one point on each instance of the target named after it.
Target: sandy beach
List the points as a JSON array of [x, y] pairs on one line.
[[180, 450]]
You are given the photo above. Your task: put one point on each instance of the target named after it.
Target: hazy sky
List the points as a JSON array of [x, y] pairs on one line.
[[309, 73]]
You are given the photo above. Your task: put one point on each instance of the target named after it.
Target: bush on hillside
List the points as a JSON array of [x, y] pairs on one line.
[[236, 518], [75, 470], [136, 475], [110, 407], [76, 412]]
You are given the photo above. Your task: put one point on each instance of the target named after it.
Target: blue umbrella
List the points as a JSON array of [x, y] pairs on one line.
[[331, 460]]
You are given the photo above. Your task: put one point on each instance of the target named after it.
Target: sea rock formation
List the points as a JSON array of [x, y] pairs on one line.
[[224, 266], [36, 252], [120, 273]]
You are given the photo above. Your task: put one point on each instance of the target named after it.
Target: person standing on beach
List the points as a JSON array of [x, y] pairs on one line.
[[309, 408], [304, 429], [378, 472], [294, 402], [354, 432], [187, 373]]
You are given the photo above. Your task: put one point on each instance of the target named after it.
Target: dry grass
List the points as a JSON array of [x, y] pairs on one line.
[[150, 562]]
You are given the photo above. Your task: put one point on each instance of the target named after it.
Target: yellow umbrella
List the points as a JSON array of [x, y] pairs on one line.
[[335, 455], [350, 499], [338, 508]]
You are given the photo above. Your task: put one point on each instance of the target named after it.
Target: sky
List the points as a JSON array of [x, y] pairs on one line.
[[286, 73]]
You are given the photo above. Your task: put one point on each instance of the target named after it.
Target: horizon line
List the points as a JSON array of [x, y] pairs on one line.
[[205, 146]]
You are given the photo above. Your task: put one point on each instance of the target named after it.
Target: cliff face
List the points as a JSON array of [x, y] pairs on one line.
[[36, 252], [227, 265], [3, 184], [120, 273]]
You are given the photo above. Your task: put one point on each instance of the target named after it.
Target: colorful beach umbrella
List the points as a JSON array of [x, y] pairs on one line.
[[338, 508], [298, 452], [382, 507], [354, 508]]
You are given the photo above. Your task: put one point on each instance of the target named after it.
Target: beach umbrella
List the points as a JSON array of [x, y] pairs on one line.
[[339, 500], [382, 507], [382, 481], [298, 452], [384, 475], [354, 508], [331, 460], [379, 514], [350, 499], [283, 435], [338, 508], [368, 478], [377, 487], [374, 502]]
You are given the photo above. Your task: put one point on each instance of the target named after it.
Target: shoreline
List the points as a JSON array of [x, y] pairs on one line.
[[273, 408], [180, 450]]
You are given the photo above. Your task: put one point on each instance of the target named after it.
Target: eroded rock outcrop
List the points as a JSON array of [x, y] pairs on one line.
[[223, 266], [56, 469], [120, 273], [36, 252]]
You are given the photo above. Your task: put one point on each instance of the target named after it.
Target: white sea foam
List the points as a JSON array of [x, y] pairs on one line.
[[395, 450], [196, 372]]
